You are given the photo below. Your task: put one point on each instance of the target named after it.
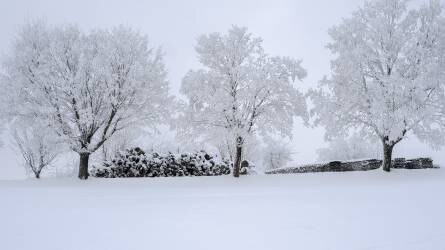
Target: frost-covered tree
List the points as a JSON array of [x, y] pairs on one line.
[[37, 145], [86, 85], [3, 106], [351, 148], [240, 91], [388, 75], [120, 141], [276, 154]]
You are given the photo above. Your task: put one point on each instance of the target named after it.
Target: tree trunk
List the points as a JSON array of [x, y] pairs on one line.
[[37, 174], [387, 156], [239, 150], [83, 166]]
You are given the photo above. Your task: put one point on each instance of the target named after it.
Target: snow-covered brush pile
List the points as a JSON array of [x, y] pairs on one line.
[[136, 163]]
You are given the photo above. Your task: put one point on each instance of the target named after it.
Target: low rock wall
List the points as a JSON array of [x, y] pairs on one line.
[[362, 165]]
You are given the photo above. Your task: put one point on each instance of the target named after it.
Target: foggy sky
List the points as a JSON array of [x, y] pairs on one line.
[[289, 28]]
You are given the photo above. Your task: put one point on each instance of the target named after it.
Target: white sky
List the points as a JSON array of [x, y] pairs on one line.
[[293, 28]]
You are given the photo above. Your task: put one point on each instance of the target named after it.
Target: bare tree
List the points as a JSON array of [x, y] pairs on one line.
[[276, 153], [37, 147]]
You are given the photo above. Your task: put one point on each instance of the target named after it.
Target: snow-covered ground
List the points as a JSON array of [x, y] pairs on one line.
[[404, 210]]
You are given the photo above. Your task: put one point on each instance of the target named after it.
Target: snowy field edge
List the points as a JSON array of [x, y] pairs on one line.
[[400, 210]]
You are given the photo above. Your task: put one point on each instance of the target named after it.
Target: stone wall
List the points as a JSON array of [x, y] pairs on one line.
[[363, 165]]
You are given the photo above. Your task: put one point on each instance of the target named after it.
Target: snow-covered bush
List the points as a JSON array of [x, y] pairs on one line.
[[247, 168], [136, 163]]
